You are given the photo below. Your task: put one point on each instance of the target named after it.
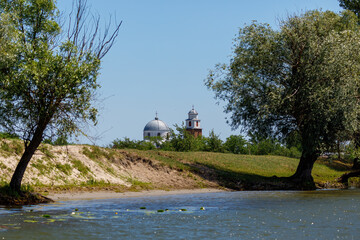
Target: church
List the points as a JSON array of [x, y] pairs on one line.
[[193, 123], [158, 128]]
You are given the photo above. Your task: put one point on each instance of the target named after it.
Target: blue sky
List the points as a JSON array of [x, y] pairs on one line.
[[163, 54]]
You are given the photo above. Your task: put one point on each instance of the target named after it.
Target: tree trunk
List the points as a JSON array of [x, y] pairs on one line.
[[356, 164], [303, 172], [356, 137], [18, 175], [345, 177], [338, 150]]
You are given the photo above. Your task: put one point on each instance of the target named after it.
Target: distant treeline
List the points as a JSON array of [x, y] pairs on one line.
[[237, 144]]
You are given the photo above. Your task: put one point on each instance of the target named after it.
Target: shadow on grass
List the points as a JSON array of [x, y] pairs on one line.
[[335, 164], [245, 181]]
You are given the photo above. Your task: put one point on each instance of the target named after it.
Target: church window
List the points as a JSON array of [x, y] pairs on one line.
[[148, 134], [197, 124], [158, 134], [189, 124]]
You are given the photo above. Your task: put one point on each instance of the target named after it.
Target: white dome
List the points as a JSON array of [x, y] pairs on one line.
[[156, 125], [193, 111]]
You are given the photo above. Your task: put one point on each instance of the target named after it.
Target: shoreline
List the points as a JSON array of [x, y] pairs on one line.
[[72, 196]]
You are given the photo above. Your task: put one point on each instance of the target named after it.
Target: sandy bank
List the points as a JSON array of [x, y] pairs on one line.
[[107, 195]]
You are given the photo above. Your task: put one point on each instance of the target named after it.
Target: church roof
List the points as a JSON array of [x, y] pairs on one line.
[[156, 125], [193, 111]]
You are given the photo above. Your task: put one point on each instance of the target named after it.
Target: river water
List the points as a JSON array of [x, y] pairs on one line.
[[323, 214]]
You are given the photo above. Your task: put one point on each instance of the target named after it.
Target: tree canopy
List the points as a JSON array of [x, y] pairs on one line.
[[49, 80], [352, 5], [303, 77]]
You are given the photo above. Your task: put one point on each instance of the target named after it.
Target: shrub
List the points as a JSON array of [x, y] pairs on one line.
[[236, 144]]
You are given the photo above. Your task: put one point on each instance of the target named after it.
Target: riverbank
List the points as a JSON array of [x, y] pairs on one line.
[[85, 168], [68, 196]]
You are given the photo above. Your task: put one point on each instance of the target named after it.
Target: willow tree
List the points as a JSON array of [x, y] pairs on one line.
[[48, 87], [302, 77], [352, 5]]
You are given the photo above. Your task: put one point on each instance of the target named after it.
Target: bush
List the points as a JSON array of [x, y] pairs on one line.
[[183, 141], [236, 144], [126, 143], [151, 143], [273, 147], [6, 135], [213, 143]]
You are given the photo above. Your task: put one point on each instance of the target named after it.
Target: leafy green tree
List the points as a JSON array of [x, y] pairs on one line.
[[236, 144], [186, 142], [264, 147], [125, 144], [49, 88], [303, 77], [213, 143], [352, 5]]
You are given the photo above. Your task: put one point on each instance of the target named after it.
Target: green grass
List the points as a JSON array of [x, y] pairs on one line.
[[96, 153], [235, 167], [65, 168], [5, 147], [137, 185], [18, 147], [111, 171], [40, 166], [46, 150], [5, 189], [84, 170], [10, 147], [103, 157], [3, 166], [95, 183]]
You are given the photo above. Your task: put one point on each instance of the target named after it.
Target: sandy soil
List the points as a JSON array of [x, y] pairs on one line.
[[108, 195], [71, 166]]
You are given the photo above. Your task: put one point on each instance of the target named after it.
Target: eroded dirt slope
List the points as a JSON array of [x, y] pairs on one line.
[[79, 164]]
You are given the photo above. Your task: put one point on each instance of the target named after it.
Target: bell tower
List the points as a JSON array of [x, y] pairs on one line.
[[193, 123]]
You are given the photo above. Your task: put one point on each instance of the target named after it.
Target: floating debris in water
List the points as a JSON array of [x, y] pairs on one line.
[[142, 207], [31, 221], [76, 209], [182, 210], [46, 215], [160, 210], [202, 208]]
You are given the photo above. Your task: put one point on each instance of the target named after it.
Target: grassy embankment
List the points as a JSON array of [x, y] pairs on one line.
[[246, 171], [238, 172]]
